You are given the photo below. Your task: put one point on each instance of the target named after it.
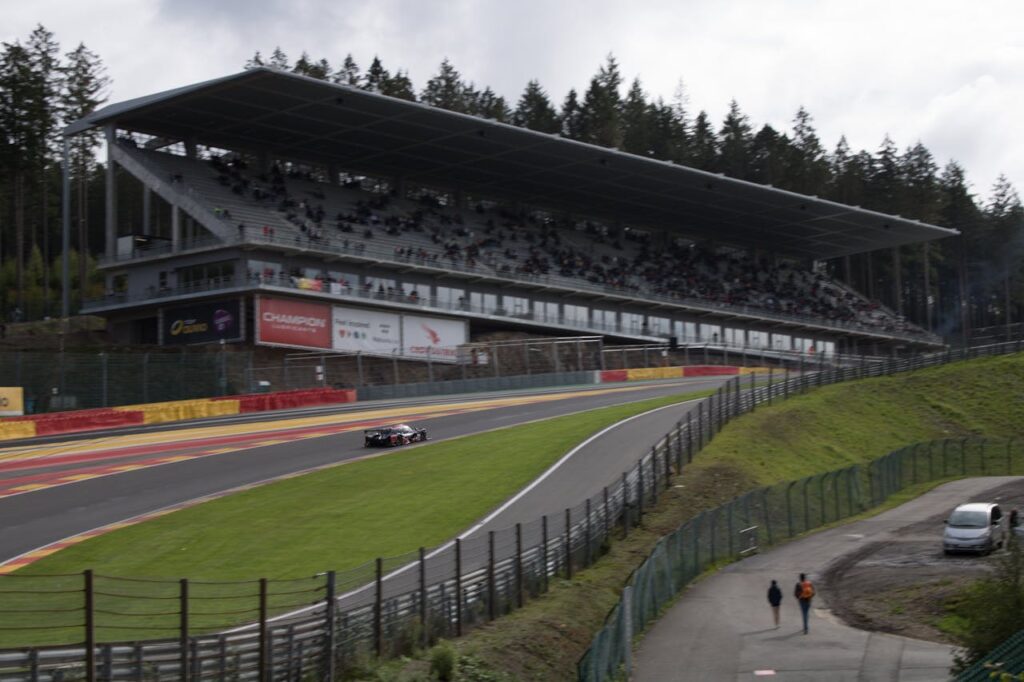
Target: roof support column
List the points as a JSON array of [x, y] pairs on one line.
[[175, 228], [147, 206], [110, 231]]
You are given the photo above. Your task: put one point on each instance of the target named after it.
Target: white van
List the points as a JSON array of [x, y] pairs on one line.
[[975, 527]]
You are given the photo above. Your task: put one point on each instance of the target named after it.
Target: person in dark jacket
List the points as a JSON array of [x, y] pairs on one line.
[[775, 599]]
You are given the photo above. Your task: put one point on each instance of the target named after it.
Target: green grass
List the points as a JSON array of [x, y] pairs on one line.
[[338, 518]]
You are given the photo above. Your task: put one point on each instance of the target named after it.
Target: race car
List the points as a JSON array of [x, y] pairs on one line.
[[393, 435]]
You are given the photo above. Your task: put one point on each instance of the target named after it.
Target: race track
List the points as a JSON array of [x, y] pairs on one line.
[[55, 490]]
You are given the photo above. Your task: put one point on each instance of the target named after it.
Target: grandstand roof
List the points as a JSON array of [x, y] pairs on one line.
[[303, 119]]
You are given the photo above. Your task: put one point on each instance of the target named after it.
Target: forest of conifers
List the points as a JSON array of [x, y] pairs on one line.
[[43, 89]]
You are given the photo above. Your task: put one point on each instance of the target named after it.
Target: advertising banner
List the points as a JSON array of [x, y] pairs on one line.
[[288, 322], [368, 331], [433, 337], [12, 403], [202, 323]]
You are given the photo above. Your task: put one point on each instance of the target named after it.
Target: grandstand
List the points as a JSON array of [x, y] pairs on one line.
[[268, 197]]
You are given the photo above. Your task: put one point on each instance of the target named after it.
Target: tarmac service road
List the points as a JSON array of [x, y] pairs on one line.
[[721, 628]]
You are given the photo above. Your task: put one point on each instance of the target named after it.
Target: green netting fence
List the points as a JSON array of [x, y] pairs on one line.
[[1007, 658]]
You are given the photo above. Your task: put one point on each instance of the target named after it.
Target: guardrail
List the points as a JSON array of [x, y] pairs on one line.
[[97, 628]]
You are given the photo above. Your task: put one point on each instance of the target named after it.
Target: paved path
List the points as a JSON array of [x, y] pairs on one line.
[[721, 629]]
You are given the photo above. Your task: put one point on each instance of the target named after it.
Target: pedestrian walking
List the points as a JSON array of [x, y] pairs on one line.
[[775, 599], [804, 593]]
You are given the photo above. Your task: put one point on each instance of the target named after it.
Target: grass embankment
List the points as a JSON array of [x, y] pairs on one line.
[[825, 429], [338, 518]]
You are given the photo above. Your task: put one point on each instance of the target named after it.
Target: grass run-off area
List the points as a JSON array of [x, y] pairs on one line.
[[344, 516], [822, 430]]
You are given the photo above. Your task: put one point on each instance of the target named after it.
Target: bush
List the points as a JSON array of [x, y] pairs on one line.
[[442, 662]]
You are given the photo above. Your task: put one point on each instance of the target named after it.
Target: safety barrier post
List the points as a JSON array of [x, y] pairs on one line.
[[605, 527], [689, 437], [378, 610], [625, 506], [771, 371], [640, 492], [668, 460], [568, 544], [785, 386], [458, 586], [424, 633], [679, 447], [183, 627], [263, 660], [90, 627], [491, 591], [544, 549], [590, 556], [329, 626], [519, 564], [753, 394], [654, 476]]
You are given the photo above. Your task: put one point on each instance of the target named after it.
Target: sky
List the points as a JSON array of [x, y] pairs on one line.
[[947, 74]]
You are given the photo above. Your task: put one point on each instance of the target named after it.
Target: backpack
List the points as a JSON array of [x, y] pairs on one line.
[[806, 590]]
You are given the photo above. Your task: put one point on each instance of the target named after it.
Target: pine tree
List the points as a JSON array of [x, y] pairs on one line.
[[668, 132], [314, 69], [255, 61], [399, 86], [808, 168], [376, 77], [85, 84], [768, 152], [534, 110], [489, 105], [348, 74], [734, 143], [637, 122], [445, 89], [702, 151], [278, 59], [572, 125], [600, 120]]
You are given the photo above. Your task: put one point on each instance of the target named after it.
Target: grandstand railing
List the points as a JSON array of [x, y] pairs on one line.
[[384, 255], [320, 626]]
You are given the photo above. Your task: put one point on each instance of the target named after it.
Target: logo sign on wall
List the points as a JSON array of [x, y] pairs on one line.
[[288, 322], [433, 337], [369, 331], [202, 323], [12, 402]]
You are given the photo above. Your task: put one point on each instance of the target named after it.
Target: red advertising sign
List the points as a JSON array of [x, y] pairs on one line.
[[288, 322]]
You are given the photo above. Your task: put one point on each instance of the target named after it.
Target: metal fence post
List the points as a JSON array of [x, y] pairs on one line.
[[424, 627], [625, 506], [491, 591], [589, 527], [183, 627], [785, 386], [90, 627], [519, 563], [544, 549], [689, 437], [605, 527], [331, 637], [640, 491], [263, 658], [627, 623], [458, 587], [378, 609], [821, 498], [789, 507], [654, 476], [568, 544], [771, 372]]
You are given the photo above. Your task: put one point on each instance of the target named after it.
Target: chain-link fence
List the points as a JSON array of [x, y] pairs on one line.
[[96, 627], [1005, 659]]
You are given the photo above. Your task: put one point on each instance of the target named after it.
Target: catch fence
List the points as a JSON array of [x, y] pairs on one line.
[[101, 628]]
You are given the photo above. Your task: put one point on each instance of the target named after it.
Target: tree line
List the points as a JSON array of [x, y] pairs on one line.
[[42, 89]]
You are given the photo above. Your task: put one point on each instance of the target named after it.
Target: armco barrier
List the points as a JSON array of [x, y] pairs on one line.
[[55, 423], [477, 385], [652, 373], [181, 410], [710, 370], [284, 400]]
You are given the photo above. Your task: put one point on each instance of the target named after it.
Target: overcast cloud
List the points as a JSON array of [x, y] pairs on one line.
[[950, 74]]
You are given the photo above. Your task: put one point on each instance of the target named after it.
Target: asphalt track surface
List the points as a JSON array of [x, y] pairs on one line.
[[721, 628], [88, 482]]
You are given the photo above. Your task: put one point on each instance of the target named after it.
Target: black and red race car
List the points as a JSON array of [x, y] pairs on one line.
[[393, 436]]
